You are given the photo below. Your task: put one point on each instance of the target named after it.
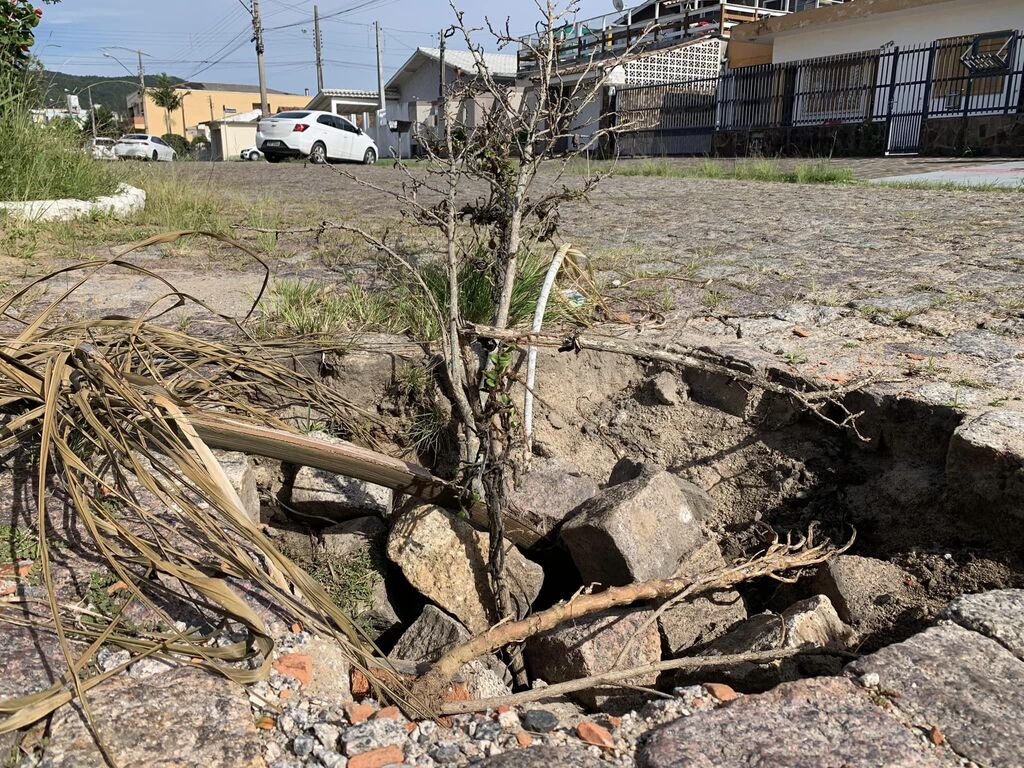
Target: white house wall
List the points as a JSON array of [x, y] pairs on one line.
[[922, 25]]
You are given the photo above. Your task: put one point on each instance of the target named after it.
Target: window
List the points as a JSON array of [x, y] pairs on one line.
[[834, 89], [326, 120], [290, 115], [347, 126], [962, 62], [158, 140]]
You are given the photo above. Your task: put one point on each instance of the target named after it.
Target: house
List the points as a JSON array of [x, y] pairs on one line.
[[230, 135], [361, 108], [927, 75], [206, 102], [413, 94], [655, 42]]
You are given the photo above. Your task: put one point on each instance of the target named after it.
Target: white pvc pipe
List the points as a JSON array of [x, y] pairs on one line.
[[538, 322]]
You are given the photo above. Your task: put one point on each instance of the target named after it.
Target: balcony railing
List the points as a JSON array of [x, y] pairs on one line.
[[649, 27]]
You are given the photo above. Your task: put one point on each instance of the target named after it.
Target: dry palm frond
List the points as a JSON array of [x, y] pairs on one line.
[[104, 411]]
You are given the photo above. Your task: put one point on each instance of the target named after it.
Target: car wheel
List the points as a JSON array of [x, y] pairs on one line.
[[272, 158], [370, 157], [156, 156], [318, 154], [254, 156]]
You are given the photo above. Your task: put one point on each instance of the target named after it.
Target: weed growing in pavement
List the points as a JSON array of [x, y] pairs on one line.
[[757, 169], [18, 543], [712, 299]]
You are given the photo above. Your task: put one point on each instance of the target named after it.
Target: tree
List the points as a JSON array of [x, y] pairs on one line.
[[16, 37], [166, 96], [516, 218]]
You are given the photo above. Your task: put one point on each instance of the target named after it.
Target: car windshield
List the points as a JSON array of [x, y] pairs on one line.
[[292, 115]]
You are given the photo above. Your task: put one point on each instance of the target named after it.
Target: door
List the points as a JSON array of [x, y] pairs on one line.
[[329, 130], [909, 71], [356, 146]]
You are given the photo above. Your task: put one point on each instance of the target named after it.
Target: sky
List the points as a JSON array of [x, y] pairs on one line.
[[209, 40]]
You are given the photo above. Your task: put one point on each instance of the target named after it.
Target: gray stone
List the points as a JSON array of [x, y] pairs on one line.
[[544, 757], [184, 718], [869, 594], [241, 473], [427, 638], [352, 536], [445, 558], [325, 494], [483, 678], [327, 735], [373, 734], [966, 685], [302, 746], [984, 344], [763, 632], [546, 495], [590, 646], [540, 720], [898, 307], [998, 614], [707, 616], [331, 670], [814, 623], [820, 723], [985, 463], [638, 530]]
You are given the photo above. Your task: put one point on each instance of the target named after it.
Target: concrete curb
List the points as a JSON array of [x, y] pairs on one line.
[[126, 201]]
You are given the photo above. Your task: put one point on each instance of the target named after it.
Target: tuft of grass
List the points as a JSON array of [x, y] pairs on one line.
[[755, 169], [174, 204], [316, 308], [949, 186], [43, 162]]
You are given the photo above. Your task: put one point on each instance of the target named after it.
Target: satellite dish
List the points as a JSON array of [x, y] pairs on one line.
[[619, 6]]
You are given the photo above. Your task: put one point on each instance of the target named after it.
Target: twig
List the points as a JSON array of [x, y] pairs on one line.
[[778, 560], [614, 677]]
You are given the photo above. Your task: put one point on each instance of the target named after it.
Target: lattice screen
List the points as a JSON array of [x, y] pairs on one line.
[[694, 62]]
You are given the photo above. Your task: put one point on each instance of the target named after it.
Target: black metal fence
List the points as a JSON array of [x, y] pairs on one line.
[[901, 87]]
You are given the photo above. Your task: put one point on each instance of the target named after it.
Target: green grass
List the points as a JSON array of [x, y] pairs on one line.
[[756, 169], [318, 309], [947, 186], [176, 203], [39, 162]]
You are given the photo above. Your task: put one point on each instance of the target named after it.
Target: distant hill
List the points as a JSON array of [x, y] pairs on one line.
[[111, 92]]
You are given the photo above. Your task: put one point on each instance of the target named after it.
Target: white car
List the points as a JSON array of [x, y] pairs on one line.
[[250, 153], [143, 147], [100, 148], [320, 136]]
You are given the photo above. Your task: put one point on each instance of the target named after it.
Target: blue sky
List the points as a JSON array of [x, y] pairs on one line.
[[210, 39]]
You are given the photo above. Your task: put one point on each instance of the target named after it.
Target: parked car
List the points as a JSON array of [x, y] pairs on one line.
[[143, 147], [250, 153], [320, 136], [100, 148]]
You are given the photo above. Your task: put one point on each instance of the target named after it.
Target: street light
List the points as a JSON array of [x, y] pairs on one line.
[[142, 76], [92, 104]]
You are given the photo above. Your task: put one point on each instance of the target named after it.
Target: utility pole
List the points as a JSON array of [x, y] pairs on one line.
[[211, 127], [142, 93], [318, 44], [382, 102], [92, 111], [257, 29]]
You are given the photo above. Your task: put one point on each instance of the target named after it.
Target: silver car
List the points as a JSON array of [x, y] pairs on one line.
[[141, 146]]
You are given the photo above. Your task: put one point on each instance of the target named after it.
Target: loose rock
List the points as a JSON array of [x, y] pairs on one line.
[[997, 614], [446, 560], [590, 646], [867, 593], [549, 493], [325, 494], [699, 620], [637, 530]]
